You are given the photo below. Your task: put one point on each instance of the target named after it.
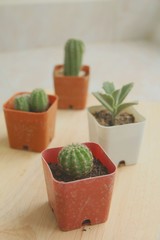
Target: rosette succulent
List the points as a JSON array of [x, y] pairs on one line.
[[112, 99]]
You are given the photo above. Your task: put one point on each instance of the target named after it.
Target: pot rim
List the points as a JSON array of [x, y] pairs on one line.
[[79, 180], [85, 68], [131, 110], [52, 98]]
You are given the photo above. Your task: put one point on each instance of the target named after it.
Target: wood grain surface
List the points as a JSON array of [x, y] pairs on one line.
[[135, 209]]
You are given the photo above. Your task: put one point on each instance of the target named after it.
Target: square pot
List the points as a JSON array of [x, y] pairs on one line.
[[80, 201], [30, 130], [121, 142], [72, 91]]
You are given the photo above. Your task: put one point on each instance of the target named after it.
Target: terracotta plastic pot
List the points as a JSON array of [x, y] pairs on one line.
[[71, 91], [29, 130], [121, 142], [81, 201]]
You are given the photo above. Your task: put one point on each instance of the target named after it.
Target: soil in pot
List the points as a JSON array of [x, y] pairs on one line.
[[105, 119], [98, 170]]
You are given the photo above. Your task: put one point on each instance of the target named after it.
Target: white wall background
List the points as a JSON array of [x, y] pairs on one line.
[[156, 30], [39, 23], [33, 33], [4, 2]]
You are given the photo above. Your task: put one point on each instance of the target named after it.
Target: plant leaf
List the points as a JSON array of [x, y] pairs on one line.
[[116, 95], [122, 106], [108, 87], [124, 91], [106, 100]]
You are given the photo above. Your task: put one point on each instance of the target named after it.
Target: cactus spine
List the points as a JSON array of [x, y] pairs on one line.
[[22, 103], [76, 160], [74, 50], [38, 100]]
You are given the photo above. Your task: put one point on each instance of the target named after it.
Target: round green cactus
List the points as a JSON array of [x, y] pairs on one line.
[[38, 100], [73, 57], [76, 160], [21, 103]]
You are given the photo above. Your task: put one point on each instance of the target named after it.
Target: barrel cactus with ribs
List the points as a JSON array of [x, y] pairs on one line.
[[76, 160]]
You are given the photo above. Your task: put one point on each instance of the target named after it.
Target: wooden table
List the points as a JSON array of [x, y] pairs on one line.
[[135, 210]]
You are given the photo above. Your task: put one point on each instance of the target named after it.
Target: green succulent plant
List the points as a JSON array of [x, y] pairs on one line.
[[76, 160], [113, 99], [21, 103], [36, 101], [74, 50]]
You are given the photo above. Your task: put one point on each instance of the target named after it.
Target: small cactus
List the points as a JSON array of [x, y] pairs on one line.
[[21, 103], [73, 57], [76, 160], [38, 100]]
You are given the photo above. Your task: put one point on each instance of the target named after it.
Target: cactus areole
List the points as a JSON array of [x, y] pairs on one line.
[[74, 50], [76, 160]]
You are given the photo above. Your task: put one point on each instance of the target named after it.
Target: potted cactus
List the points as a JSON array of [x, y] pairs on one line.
[[72, 78], [30, 119], [116, 125], [76, 193]]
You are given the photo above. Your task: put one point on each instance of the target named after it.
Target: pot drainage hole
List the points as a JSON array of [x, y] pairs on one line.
[[25, 147], [86, 222], [121, 163], [70, 107]]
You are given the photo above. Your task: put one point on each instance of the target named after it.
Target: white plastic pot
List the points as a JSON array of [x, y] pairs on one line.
[[121, 142]]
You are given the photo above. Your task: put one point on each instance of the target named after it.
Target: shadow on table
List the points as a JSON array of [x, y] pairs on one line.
[[4, 142]]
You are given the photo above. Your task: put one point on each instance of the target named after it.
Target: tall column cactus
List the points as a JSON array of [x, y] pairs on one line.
[[38, 100], [74, 50], [76, 160]]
